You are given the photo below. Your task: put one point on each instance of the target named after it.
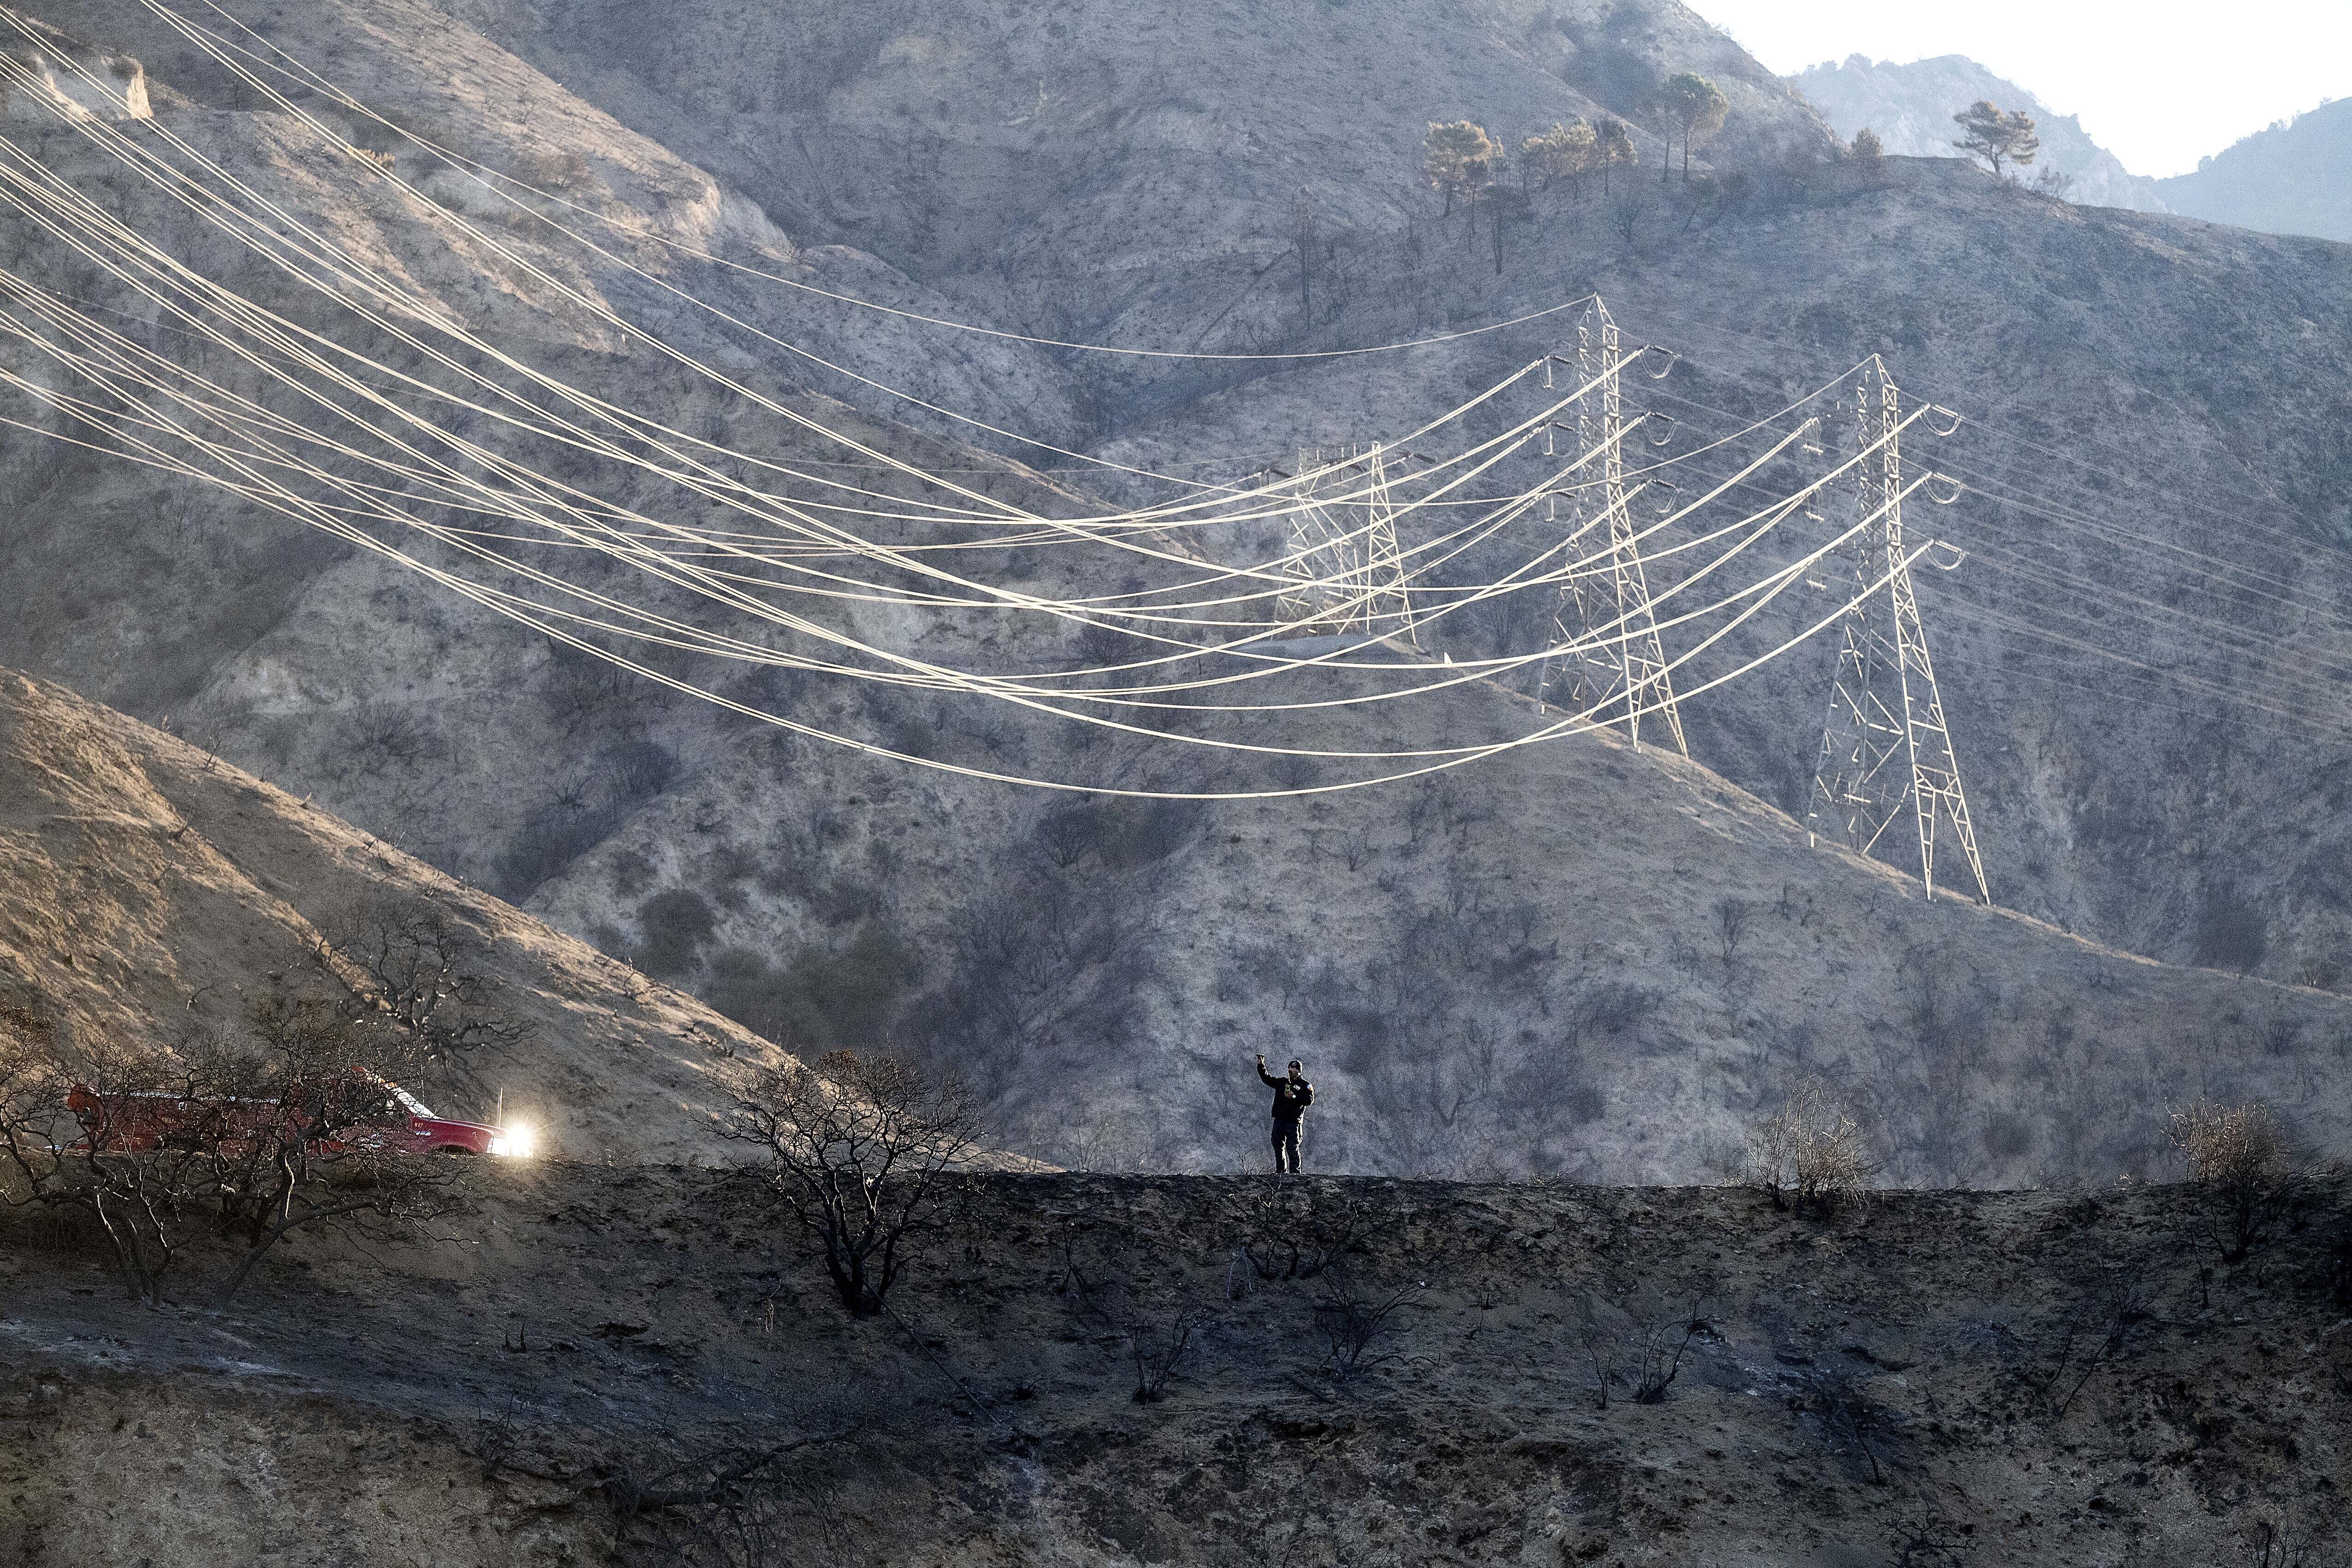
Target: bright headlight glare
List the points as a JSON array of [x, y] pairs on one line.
[[515, 1143]]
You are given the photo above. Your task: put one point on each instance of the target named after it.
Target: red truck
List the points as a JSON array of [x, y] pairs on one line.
[[371, 1107]]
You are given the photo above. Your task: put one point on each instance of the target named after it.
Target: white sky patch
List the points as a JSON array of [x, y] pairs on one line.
[[2158, 83]]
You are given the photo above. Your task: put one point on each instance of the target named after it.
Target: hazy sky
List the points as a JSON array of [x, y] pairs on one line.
[[2158, 83]]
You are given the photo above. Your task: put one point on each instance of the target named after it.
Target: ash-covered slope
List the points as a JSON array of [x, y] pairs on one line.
[[148, 890], [2289, 179], [1911, 108], [1097, 172], [1524, 967], [2146, 386]]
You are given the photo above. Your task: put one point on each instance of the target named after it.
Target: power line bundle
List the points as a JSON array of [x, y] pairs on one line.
[[363, 407]]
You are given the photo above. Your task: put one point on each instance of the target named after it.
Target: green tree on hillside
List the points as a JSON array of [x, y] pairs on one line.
[[1995, 137], [1564, 152], [1693, 108], [1614, 146], [1460, 159]]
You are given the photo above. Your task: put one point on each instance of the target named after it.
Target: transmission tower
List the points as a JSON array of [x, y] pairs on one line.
[[1606, 592], [1344, 554], [1886, 744]]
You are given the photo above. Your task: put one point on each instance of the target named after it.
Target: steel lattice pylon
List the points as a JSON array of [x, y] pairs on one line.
[[1886, 742], [1350, 572], [1606, 592]]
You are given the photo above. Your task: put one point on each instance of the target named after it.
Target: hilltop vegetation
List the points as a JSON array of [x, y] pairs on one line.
[[1910, 106]]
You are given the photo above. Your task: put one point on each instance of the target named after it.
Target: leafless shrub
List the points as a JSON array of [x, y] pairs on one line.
[[584, 693], [1848, 1414], [1157, 1347], [2279, 1536], [1297, 1237], [857, 1150], [639, 770], [2246, 1156], [319, 1139], [552, 171], [1809, 1155], [1067, 835], [383, 735], [139, 1198], [1354, 1317], [723, 1505], [1638, 1341], [2091, 1334], [1601, 1344], [1628, 210]]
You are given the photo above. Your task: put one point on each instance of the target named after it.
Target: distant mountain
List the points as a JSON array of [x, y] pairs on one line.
[[2293, 178], [1911, 108]]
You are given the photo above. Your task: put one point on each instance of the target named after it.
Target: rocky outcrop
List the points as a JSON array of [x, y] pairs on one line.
[[68, 78]]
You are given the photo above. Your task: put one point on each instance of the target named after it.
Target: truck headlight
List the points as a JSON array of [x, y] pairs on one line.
[[515, 1143]]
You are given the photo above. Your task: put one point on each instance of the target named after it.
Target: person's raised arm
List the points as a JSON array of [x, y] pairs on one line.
[[1267, 1077]]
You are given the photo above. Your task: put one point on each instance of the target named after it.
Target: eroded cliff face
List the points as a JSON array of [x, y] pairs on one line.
[[2032, 1377], [1541, 942]]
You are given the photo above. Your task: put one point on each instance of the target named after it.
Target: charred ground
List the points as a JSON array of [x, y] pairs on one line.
[[1926, 1378]]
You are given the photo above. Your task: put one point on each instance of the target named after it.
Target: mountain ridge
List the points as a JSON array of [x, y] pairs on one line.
[[2286, 179], [1910, 106]]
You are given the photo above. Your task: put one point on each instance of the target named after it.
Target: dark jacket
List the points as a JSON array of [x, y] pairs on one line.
[[1290, 1102]]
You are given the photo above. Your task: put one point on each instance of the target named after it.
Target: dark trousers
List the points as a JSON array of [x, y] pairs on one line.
[[1286, 1146]]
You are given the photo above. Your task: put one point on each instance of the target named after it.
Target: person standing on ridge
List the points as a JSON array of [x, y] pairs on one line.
[[1292, 1096]]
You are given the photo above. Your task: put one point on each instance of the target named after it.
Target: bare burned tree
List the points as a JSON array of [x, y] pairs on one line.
[[424, 970], [1598, 1338], [1848, 1414], [728, 1503], [857, 1151], [1291, 1235], [319, 1140], [1641, 1339], [722, 1507], [60, 1118], [1731, 918], [292, 1126], [2094, 1331]]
